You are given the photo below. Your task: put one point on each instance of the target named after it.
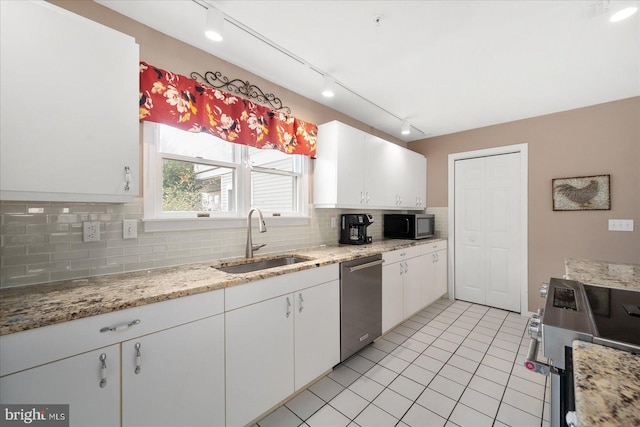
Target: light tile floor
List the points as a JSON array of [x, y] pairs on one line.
[[452, 364]]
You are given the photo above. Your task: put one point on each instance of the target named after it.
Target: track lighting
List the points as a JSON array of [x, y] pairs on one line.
[[215, 24], [328, 87], [406, 127]]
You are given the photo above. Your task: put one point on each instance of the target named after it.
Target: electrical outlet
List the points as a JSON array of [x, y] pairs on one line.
[[333, 222], [129, 229], [620, 225], [90, 231]]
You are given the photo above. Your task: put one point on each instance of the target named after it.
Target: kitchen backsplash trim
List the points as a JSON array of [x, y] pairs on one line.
[[42, 241]]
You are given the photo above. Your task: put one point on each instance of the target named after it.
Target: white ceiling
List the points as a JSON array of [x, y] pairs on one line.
[[446, 66]]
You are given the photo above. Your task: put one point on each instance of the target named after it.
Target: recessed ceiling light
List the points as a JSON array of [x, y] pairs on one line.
[[623, 14]]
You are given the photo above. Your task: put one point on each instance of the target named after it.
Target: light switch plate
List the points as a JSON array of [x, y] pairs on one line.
[[620, 225], [129, 229]]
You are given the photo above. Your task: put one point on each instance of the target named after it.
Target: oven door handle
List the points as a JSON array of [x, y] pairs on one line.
[[532, 363]]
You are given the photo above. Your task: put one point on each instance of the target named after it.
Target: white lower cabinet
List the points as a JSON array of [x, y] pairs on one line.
[[259, 348], [89, 383], [175, 377], [401, 286], [435, 272], [412, 278], [277, 345], [392, 295], [414, 283], [317, 331], [91, 363]]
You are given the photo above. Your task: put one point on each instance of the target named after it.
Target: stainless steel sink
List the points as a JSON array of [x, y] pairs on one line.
[[262, 264]]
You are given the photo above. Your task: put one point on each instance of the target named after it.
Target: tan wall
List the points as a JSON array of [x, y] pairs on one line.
[[601, 139], [170, 54]]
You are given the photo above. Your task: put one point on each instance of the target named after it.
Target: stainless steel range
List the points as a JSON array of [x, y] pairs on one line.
[[575, 311]]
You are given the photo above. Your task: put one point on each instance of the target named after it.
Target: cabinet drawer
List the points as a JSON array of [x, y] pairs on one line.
[[401, 254], [434, 246], [35, 347]]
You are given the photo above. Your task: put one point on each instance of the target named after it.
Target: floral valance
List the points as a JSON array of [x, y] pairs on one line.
[[182, 102]]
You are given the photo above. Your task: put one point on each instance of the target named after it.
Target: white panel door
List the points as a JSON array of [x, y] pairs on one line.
[[469, 236], [503, 231], [487, 224]]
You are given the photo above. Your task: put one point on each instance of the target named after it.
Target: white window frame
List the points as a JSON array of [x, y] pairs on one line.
[[156, 220]]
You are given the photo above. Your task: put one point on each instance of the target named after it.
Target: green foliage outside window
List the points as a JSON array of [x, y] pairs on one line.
[[180, 191]]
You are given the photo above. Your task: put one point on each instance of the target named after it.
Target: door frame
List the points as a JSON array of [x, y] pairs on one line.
[[523, 149]]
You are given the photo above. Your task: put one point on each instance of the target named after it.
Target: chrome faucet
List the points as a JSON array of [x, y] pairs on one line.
[[263, 228]]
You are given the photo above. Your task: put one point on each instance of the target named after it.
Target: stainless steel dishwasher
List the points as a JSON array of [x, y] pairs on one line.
[[360, 304]]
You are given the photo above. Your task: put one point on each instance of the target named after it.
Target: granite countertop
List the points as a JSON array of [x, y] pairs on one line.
[[607, 385], [603, 273], [29, 307]]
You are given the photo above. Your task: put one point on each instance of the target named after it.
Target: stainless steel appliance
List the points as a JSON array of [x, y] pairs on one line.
[[360, 304], [409, 226], [573, 310], [353, 228]]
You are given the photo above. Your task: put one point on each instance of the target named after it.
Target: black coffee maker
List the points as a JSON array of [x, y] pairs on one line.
[[353, 228]]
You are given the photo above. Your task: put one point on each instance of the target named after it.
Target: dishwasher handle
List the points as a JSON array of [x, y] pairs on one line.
[[366, 265]]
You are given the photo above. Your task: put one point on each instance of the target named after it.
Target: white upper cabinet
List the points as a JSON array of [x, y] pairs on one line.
[[354, 170], [69, 108]]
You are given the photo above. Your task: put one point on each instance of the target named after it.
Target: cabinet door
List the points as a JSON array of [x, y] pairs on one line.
[[75, 381], [351, 165], [375, 174], [392, 295], [396, 168], [441, 262], [429, 286], [259, 358], [69, 116], [180, 373], [414, 187], [413, 279], [317, 331]]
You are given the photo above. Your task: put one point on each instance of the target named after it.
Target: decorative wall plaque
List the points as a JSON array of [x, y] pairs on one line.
[[581, 193]]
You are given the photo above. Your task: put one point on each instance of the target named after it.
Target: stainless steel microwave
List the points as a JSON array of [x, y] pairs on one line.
[[409, 226]]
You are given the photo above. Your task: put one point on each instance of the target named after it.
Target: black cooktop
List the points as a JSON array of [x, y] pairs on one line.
[[616, 313]]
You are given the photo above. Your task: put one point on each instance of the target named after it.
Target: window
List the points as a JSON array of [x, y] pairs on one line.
[[191, 175]]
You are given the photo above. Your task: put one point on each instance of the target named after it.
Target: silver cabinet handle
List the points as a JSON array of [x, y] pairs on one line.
[[406, 268], [103, 370], [120, 327], [367, 197], [138, 359], [362, 197], [288, 307], [401, 269], [127, 178], [300, 301]]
